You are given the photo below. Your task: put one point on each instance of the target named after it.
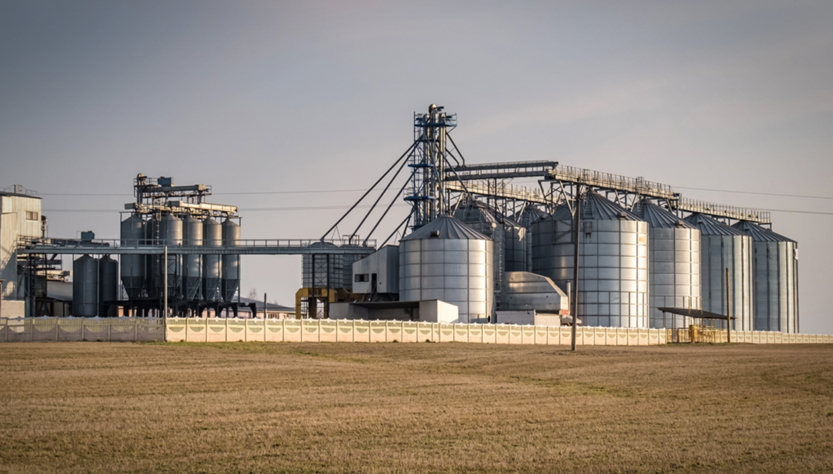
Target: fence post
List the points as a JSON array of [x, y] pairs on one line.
[[319, 330], [136, 330], [226, 333]]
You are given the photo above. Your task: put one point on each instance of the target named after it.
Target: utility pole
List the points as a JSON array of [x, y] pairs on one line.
[[264, 307], [165, 284], [574, 296], [728, 310]]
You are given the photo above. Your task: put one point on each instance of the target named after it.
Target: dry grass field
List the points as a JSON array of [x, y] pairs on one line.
[[252, 407]]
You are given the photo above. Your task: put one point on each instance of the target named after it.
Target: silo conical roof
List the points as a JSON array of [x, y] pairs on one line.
[[448, 228], [710, 226], [760, 234], [529, 214], [596, 207], [659, 218], [473, 210]]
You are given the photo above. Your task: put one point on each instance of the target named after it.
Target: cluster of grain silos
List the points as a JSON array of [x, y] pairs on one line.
[[95, 288], [191, 278], [613, 260]]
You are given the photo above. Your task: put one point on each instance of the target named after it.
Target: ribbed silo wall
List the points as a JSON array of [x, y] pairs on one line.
[[613, 268], [515, 247], [719, 252], [457, 271], [192, 263], [776, 286], [674, 274]]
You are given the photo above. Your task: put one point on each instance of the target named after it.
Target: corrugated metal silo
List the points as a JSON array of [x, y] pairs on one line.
[[673, 264], [479, 217], [108, 286], [133, 267], [447, 260], [775, 279], [85, 286], [192, 263], [723, 247], [212, 276], [613, 261], [528, 215], [231, 263], [515, 245]]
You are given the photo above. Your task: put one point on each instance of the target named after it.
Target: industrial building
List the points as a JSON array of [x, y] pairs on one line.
[[483, 243]]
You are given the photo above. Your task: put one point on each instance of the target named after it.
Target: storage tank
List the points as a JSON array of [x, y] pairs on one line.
[[108, 286], [231, 263], [85, 286], [192, 263], [775, 279], [481, 218], [723, 247], [613, 261], [347, 261], [212, 263], [449, 261], [170, 235], [673, 264], [330, 273], [528, 215], [133, 267], [514, 245]]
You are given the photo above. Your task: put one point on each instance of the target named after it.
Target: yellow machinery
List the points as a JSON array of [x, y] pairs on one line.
[[312, 296]]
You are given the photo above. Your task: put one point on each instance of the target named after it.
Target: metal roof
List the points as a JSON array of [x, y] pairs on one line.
[[658, 217], [709, 226], [759, 234], [529, 214], [473, 210], [447, 227], [694, 313], [596, 207]]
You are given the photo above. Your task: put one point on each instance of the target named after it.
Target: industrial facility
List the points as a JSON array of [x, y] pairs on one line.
[[529, 242]]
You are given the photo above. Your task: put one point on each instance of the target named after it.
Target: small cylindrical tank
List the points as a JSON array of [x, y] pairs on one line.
[[613, 261], [133, 267], [775, 279], [723, 247], [673, 264], [108, 287], [212, 263], [85, 286], [449, 261], [192, 263], [231, 263]]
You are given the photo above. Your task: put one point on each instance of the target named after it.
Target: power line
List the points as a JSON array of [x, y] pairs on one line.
[[251, 209], [311, 191]]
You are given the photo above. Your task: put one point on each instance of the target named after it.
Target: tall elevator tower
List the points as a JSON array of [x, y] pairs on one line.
[[429, 159]]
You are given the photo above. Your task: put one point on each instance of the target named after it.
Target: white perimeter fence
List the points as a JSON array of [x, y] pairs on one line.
[[272, 330]]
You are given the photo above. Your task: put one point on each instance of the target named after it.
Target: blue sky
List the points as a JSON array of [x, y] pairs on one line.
[[308, 96]]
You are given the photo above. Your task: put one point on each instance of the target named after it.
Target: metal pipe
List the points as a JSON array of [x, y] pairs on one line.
[[368, 191], [404, 162], [389, 206]]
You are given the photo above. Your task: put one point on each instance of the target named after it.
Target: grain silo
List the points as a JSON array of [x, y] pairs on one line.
[[447, 260], [85, 286], [108, 287], [515, 239], [528, 215], [775, 279], [723, 247], [133, 267], [231, 263], [613, 261], [192, 263], [212, 263], [673, 264], [479, 217]]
